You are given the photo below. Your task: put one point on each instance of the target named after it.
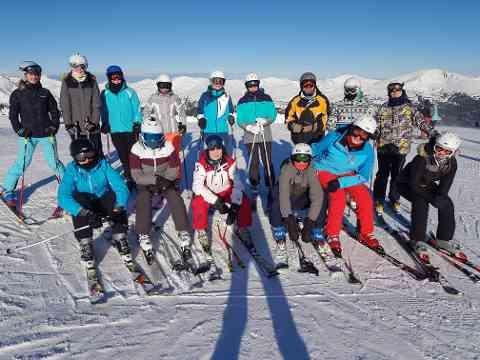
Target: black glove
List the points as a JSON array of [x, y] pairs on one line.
[[333, 185], [105, 129], [231, 120], [308, 226], [232, 214], [24, 132], [182, 129], [163, 184], [137, 128], [221, 206], [72, 131], [51, 131], [91, 127], [202, 123], [94, 219], [290, 126], [292, 227], [119, 215]]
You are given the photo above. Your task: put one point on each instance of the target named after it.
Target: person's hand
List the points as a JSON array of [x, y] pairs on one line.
[[72, 131], [182, 129], [51, 131], [333, 185], [308, 226], [232, 214], [119, 215], [94, 219], [292, 227], [24, 132], [254, 129], [202, 123], [105, 129], [262, 121], [221, 206], [91, 127]]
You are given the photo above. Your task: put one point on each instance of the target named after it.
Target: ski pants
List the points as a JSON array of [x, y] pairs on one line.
[[419, 216], [143, 219], [103, 205], [389, 165], [336, 205], [123, 142], [297, 203], [255, 151], [200, 211], [24, 158]]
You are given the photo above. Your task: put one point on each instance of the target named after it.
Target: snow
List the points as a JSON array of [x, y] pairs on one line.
[[45, 313]]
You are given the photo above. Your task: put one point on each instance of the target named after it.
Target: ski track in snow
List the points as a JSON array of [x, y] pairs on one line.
[[45, 312]]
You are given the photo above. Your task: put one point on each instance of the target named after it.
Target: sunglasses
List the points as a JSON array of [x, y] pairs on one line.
[[309, 85], [84, 156], [362, 134], [301, 158], [218, 81]]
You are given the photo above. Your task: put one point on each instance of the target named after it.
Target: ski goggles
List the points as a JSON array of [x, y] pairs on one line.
[[153, 140], [35, 70], [164, 85], [218, 81], [84, 156], [362, 134], [78, 66], [252, 83], [395, 88], [305, 158], [351, 90]]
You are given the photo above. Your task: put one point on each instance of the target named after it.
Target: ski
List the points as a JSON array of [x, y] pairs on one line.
[[96, 293], [228, 248], [17, 214], [335, 265]]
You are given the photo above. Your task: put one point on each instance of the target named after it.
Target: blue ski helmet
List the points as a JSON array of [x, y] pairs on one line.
[[112, 69]]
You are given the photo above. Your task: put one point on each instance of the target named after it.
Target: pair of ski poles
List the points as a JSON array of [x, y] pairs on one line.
[[267, 160]]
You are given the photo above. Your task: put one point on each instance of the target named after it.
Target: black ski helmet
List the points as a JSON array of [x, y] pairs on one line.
[[214, 142], [81, 149]]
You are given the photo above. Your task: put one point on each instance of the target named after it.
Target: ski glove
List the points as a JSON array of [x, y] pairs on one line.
[[182, 129], [232, 214], [24, 132], [94, 219], [202, 123], [221, 206], [262, 121], [72, 131], [333, 185], [308, 226], [231, 120], [292, 227], [91, 127], [105, 129], [254, 129]]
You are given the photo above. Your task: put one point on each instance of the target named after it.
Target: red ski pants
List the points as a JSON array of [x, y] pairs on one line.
[[336, 205], [200, 211]]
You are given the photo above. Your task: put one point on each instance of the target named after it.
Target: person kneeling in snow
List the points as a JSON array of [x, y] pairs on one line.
[[90, 190], [344, 161], [154, 168], [297, 189], [215, 183], [427, 180]]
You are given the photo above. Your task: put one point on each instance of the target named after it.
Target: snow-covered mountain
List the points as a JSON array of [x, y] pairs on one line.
[[430, 83]]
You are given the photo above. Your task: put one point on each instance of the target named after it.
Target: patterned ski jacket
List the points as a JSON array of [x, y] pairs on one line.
[[167, 109], [345, 111], [209, 181]]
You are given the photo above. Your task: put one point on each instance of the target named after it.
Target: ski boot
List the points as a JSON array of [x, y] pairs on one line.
[[57, 213], [395, 206], [335, 245], [371, 242], [185, 245], [86, 255], [422, 252], [121, 242], [450, 248], [146, 246], [202, 237], [245, 237], [379, 207]]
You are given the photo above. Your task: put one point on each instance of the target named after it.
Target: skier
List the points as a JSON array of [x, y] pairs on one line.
[[90, 190], [425, 181], [344, 162], [396, 119], [255, 113], [297, 189], [167, 108], [35, 119], [216, 183], [154, 167], [121, 116], [353, 106], [80, 102], [215, 109], [307, 113]]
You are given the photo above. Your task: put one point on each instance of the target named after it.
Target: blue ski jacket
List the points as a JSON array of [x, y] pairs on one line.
[[215, 106]]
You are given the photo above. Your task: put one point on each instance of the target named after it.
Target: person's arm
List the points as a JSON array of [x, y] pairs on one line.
[[136, 170], [180, 109], [14, 112], [270, 112], [237, 192], [96, 104], [447, 181], [198, 185], [201, 106], [54, 112], [118, 185], [65, 105], [284, 190], [65, 195], [316, 196], [290, 115], [136, 108], [321, 146], [104, 109]]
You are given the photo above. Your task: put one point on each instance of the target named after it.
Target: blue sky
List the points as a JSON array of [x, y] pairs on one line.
[[371, 38]]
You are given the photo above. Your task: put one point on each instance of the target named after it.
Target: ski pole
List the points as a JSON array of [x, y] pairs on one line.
[[184, 164], [267, 160], [22, 186], [251, 153], [9, 251], [227, 245]]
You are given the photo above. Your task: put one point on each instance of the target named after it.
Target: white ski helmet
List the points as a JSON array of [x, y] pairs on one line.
[[449, 141], [152, 134], [302, 148], [78, 60], [251, 77], [366, 123], [164, 78], [352, 83], [217, 74]]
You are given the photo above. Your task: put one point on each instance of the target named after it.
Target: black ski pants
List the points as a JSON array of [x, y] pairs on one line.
[[389, 165], [143, 220], [419, 216], [103, 205], [255, 151], [123, 142]]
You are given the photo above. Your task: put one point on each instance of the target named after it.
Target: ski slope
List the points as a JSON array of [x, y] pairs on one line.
[[45, 312]]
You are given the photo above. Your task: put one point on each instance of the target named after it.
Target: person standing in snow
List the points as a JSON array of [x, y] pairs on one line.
[[215, 109], [167, 108], [89, 191], [297, 189], [425, 181], [80, 102], [35, 119], [216, 183], [121, 116], [154, 167], [307, 113], [353, 106], [396, 120], [344, 161], [255, 113]]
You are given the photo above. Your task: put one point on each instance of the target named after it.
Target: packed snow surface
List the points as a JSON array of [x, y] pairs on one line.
[[45, 312]]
